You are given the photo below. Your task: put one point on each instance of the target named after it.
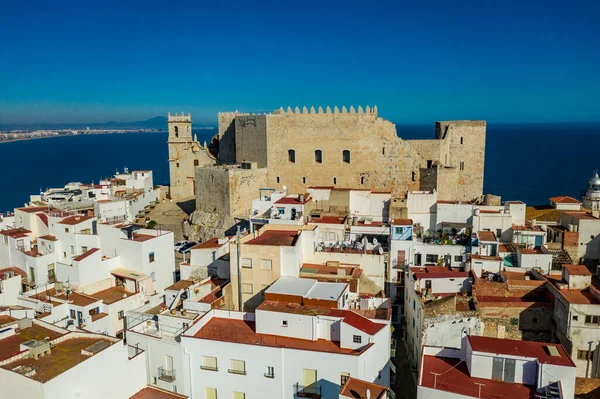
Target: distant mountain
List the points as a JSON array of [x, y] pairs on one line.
[[158, 122]]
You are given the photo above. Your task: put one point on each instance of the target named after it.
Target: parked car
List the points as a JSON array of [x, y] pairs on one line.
[[180, 244], [187, 247]]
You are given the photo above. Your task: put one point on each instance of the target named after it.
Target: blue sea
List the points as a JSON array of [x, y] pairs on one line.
[[525, 162]]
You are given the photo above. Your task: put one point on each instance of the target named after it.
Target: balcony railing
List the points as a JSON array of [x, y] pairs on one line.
[[166, 375], [310, 391]]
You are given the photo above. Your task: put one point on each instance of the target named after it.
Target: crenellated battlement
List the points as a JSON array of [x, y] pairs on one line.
[[328, 111], [179, 117]]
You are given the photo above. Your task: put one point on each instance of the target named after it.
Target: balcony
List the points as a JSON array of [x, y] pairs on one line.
[[310, 391], [166, 375]]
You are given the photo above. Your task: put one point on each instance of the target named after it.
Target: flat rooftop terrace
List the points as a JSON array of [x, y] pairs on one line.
[[64, 356], [276, 238], [244, 332], [11, 346]]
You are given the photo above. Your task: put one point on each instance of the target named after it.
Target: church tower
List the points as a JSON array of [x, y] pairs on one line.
[[182, 156]]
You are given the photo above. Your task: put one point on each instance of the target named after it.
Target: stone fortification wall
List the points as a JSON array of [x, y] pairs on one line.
[[226, 137], [251, 139]]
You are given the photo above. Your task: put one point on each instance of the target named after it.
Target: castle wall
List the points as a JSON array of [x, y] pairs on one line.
[[251, 139], [379, 160], [227, 137]]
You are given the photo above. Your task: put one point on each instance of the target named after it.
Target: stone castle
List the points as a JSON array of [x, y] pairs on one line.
[[297, 149]]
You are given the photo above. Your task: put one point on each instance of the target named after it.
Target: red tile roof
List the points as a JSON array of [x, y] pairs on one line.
[[151, 392], [486, 236], [453, 376], [437, 272], [15, 233], [74, 220], [32, 209], [275, 237], [402, 222], [564, 200], [212, 243], [180, 285], [514, 347], [328, 219], [357, 389], [581, 215], [112, 295], [293, 200], [142, 237], [47, 238], [15, 270], [577, 270], [86, 254], [357, 321]]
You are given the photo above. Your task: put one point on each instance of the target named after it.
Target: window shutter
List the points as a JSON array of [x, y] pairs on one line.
[[209, 362], [238, 366], [239, 395], [210, 393]]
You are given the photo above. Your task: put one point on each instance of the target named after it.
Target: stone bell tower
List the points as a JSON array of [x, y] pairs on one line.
[[185, 153]]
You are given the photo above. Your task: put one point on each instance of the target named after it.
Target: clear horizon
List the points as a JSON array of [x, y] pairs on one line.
[[528, 63]]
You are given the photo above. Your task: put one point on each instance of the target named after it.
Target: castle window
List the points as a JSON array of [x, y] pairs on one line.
[[277, 179], [292, 156], [462, 165], [429, 163], [177, 164], [461, 140], [196, 162], [304, 180], [413, 176], [346, 156], [362, 180], [212, 178], [176, 131], [319, 156], [335, 180]]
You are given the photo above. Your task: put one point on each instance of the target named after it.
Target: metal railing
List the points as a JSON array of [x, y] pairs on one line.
[[166, 375]]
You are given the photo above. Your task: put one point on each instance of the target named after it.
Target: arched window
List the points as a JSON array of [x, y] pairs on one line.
[[292, 156], [335, 180], [176, 131], [318, 156], [346, 156]]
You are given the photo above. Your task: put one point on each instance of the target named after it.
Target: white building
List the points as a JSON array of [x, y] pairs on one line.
[[496, 368], [209, 258], [41, 361]]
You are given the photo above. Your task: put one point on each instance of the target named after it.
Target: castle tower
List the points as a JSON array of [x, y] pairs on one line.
[[185, 153]]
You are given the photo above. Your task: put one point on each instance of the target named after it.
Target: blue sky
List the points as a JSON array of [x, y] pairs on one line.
[[503, 61]]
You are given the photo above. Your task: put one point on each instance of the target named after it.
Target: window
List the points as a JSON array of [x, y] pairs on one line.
[[462, 165], [196, 162], [119, 335], [414, 176], [277, 179], [270, 372], [585, 355], [64, 254], [498, 232], [266, 264], [461, 140], [153, 275], [177, 164], [151, 257], [344, 378], [346, 156], [334, 180], [176, 131], [303, 180], [246, 288], [209, 363], [383, 151], [431, 258], [212, 179], [72, 313], [362, 180], [284, 323], [238, 367], [534, 320], [429, 163], [121, 314], [591, 319], [210, 393], [575, 318], [66, 229], [246, 263], [319, 156], [292, 156], [239, 395], [71, 250], [458, 258], [357, 339], [281, 211]]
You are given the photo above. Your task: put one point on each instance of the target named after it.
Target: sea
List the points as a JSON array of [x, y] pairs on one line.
[[527, 162]]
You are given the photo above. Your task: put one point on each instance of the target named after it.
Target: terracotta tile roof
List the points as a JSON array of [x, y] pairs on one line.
[[328, 219], [5, 319], [32, 209], [505, 248], [112, 295], [244, 332], [588, 388], [48, 238], [142, 237], [15, 233], [276, 238], [521, 348], [402, 222], [357, 321], [581, 215], [212, 243], [180, 285], [10, 346], [86, 254], [564, 200], [543, 213], [357, 389], [293, 200], [527, 227], [151, 392], [15, 270], [74, 220], [486, 236], [577, 270], [437, 272], [98, 316]]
